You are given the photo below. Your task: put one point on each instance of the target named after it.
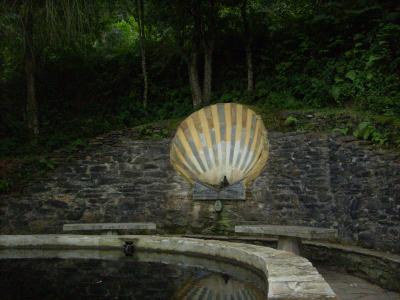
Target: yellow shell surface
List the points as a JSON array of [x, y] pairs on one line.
[[224, 139]]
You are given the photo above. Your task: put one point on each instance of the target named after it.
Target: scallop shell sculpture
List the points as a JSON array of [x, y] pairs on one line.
[[219, 143]]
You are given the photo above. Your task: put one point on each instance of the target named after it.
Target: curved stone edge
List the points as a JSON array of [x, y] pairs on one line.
[[289, 276]]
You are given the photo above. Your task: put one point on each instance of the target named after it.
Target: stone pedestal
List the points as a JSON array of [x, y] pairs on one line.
[[289, 244]]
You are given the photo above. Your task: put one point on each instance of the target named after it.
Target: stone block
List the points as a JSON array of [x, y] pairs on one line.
[[109, 226], [312, 233]]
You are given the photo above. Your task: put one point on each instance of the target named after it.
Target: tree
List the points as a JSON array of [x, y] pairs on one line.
[[29, 58], [43, 23], [142, 40], [193, 25], [208, 37], [203, 34], [244, 18], [248, 41], [192, 63], [177, 23], [17, 26]]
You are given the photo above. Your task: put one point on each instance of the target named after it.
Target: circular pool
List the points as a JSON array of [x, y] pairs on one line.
[[286, 275], [109, 274]]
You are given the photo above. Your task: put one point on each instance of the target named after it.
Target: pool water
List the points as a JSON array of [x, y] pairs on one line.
[[138, 277]]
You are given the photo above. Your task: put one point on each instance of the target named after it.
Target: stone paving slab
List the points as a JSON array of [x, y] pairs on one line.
[[349, 287], [306, 284]]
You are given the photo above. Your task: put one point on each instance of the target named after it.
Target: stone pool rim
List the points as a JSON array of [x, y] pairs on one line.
[[288, 276]]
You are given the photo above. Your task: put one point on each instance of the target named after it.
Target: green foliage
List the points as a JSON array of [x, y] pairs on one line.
[[343, 131], [4, 186], [291, 121], [177, 104], [153, 134], [274, 99], [46, 164], [352, 64], [78, 144], [232, 96], [157, 130], [367, 131], [120, 37]]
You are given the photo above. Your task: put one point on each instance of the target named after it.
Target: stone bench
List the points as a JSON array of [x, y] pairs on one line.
[[110, 228], [289, 237]]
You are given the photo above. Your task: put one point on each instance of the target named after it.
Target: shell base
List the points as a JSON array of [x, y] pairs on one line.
[[235, 191]]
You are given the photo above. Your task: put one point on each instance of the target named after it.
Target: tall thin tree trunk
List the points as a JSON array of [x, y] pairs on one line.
[[207, 80], [31, 101], [250, 74], [142, 38], [208, 43], [194, 79], [195, 86], [248, 40]]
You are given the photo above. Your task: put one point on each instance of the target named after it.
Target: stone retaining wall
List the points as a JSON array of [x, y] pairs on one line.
[[311, 179], [380, 268]]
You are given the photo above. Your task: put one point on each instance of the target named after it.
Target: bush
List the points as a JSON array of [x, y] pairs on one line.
[[291, 121], [4, 186], [367, 131]]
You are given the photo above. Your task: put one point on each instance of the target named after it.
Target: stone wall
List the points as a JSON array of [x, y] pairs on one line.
[[310, 179]]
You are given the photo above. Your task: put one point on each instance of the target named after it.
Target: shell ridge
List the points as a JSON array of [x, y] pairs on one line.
[[186, 148], [196, 144]]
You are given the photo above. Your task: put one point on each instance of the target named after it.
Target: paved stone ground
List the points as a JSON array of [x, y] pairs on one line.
[[349, 287]]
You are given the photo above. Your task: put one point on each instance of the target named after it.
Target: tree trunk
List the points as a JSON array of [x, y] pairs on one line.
[[207, 80], [250, 74], [140, 13], [29, 59], [194, 79], [193, 56], [249, 56], [208, 44]]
